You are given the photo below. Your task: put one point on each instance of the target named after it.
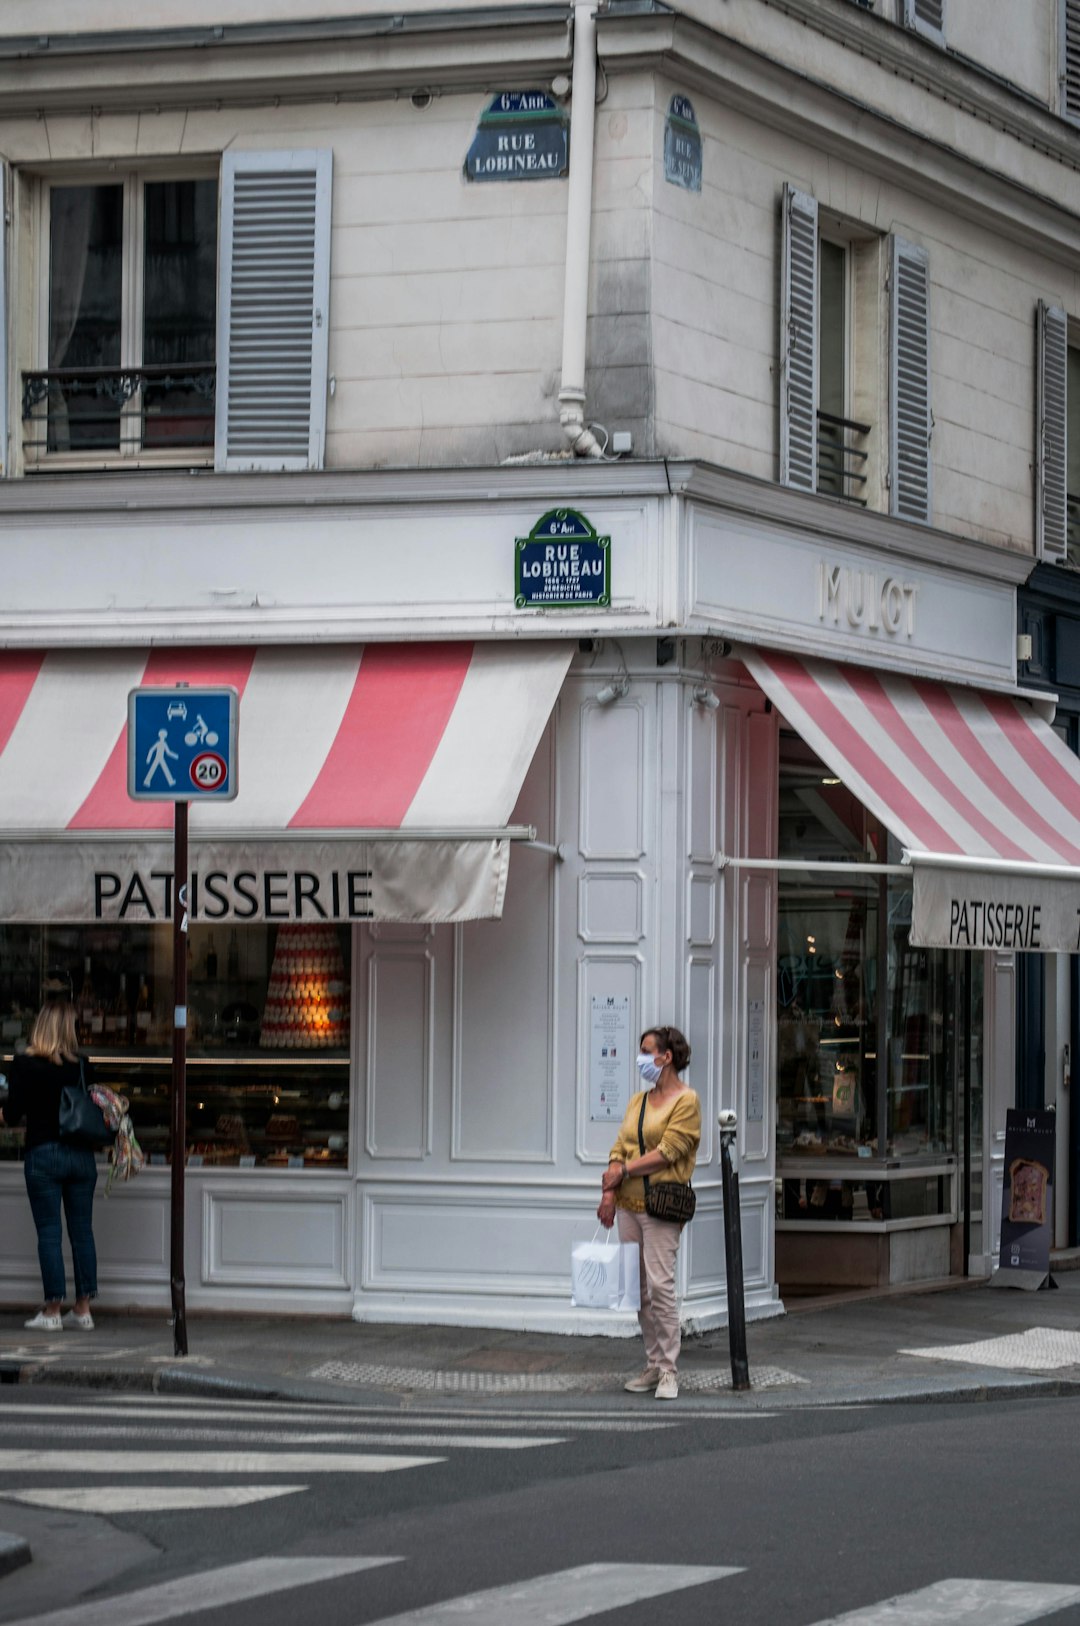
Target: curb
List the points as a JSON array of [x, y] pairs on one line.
[[14, 1552], [247, 1386]]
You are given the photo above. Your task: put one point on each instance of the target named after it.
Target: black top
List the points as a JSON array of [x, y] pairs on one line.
[[34, 1087]]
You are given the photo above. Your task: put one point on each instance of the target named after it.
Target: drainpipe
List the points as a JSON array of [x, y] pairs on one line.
[[578, 227]]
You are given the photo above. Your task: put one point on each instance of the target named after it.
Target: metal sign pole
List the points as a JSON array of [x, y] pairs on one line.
[[740, 1369], [179, 1073], [181, 744]]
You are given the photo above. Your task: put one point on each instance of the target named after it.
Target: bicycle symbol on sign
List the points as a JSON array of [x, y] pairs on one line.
[[200, 734]]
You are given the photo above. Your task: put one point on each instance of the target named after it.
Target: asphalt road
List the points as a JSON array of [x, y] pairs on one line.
[[141, 1509]]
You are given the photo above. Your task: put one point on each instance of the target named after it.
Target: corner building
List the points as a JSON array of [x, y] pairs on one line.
[[617, 559]]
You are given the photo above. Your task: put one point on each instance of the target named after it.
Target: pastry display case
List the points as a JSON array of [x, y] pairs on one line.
[[269, 1020]]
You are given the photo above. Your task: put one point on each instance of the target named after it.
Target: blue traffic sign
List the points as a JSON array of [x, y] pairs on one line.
[[182, 744]]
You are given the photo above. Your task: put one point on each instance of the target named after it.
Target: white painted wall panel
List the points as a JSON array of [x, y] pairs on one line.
[[611, 907], [285, 1235], [505, 1079], [400, 1012], [131, 1230], [503, 1240], [612, 766]]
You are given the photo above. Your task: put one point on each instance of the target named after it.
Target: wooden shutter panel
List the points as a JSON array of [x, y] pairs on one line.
[[273, 317], [926, 17], [910, 419], [798, 341], [1069, 57], [1052, 335]]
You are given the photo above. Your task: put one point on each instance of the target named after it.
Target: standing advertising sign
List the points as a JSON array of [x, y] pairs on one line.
[[181, 747], [1027, 1201]]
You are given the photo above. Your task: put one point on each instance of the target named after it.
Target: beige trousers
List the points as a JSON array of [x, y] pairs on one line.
[[659, 1313]]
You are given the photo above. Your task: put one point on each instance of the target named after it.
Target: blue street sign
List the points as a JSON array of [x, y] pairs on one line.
[[182, 744]]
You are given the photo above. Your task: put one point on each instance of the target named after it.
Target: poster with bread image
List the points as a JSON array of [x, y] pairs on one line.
[[1027, 1200]]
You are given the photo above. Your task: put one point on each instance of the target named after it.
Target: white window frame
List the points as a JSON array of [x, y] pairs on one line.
[[133, 179]]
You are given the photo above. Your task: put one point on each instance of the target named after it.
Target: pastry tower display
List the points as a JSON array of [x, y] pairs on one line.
[[306, 1002]]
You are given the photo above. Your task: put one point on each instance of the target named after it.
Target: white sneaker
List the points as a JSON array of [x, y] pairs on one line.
[[45, 1323], [644, 1382], [668, 1387], [84, 1323]]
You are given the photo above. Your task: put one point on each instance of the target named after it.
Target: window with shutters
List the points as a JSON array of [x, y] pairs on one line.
[[831, 325], [179, 318], [926, 17], [1069, 58], [126, 296]]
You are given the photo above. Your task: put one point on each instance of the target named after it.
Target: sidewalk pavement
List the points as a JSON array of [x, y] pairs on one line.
[[840, 1352]]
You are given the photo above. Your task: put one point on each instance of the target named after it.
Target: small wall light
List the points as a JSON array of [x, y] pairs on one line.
[[704, 697], [618, 689]]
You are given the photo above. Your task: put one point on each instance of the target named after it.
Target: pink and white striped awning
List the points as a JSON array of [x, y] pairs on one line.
[[334, 741], [980, 791], [333, 737]]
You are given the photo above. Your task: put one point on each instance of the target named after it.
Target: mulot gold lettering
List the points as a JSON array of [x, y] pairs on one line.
[[863, 598]]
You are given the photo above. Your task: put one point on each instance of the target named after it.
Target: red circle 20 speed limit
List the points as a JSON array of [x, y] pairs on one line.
[[209, 770]]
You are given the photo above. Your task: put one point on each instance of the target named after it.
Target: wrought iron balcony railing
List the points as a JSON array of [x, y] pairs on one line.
[[841, 457], [103, 410]]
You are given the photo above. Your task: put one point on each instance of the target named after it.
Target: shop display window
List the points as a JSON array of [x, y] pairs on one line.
[[872, 1034], [269, 1011]]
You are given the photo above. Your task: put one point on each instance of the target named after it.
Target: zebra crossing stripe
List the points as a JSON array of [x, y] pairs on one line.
[[108, 1499], [985, 1603], [213, 1589], [153, 1429], [350, 1420], [246, 1464], [565, 1596]]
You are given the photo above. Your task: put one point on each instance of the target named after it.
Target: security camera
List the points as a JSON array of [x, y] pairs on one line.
[[728, 1119]]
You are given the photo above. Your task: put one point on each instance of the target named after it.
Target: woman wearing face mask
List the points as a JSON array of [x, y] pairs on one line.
[[671, 1130]]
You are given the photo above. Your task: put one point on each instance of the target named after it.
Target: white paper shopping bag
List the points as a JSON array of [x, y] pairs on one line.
[[604, 1275]]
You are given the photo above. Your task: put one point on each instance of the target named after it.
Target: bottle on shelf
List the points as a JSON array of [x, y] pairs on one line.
[[118, 1016], [86, 1002], [142, 1013], [211, 959]]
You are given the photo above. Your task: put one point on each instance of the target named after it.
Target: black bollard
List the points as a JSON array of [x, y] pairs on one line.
[[740, 1369]]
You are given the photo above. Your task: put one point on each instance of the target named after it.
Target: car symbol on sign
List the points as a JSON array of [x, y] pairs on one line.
[[176, 709]]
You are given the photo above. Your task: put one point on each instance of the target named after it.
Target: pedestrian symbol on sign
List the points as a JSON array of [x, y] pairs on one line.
[[156, 758]]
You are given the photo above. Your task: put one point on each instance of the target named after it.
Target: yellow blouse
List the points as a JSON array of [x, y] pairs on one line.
[[673, 1127]]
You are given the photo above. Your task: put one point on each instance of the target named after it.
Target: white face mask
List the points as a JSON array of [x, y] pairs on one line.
[[649, 1068]]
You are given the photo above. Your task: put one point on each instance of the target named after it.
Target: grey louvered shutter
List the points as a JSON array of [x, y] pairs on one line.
[[926, 17], [910, 419], [1052, 336], [273, 317], [798, 341], [6, 205], [1069, 57]]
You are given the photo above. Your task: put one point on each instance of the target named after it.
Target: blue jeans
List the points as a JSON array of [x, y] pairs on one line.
[[55, 1174]]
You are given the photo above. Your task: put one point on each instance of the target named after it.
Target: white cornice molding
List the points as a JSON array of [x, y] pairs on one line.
[[941, 71], [276, 64], [829, 120], [134, 497]]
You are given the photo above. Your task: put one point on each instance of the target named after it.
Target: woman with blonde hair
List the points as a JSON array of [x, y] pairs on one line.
[[57, 1174]]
